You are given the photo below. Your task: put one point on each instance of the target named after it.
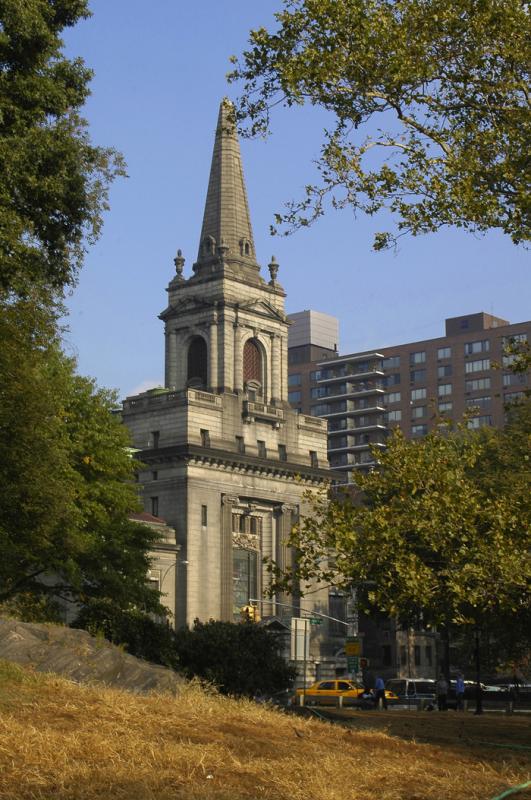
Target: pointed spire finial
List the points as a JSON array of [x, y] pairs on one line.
[[226, 218]]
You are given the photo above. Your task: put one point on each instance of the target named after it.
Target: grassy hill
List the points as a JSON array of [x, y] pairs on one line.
[[62, 741]]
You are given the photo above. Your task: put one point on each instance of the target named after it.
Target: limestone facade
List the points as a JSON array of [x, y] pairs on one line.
[[227, 461]]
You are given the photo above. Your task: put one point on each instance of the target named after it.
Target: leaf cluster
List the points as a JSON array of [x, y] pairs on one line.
[[53, 181], [66, 477], [430, 101], [442, 530], [241, 659]]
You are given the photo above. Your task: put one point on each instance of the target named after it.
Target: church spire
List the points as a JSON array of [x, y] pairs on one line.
[[226, 234]]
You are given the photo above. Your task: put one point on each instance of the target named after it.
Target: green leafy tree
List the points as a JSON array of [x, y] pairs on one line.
[[53, 181], [66, 476], [442, 530], [142, 635], [430, 102], [240, 659]]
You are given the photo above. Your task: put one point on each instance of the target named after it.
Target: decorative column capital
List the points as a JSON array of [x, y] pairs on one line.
[[230, 500]]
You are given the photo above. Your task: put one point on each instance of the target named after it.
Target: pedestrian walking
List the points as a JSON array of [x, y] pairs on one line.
[[459, 692], [442, 694], [379, 693]]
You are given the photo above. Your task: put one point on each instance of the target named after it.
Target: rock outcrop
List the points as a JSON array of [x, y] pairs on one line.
[[83, 658]]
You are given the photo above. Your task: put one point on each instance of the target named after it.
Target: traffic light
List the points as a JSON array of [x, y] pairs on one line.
[[250, 613]]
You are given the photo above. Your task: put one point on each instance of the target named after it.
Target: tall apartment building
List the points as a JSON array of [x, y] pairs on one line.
[[364, 395]]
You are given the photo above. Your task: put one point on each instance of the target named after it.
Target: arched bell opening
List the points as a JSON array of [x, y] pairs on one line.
[[253, 369], [197, 365]]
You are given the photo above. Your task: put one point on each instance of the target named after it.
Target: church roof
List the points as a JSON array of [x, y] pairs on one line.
[[226, 229]]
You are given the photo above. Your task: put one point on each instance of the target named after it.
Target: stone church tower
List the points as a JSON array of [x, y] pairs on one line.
[[227, 461]]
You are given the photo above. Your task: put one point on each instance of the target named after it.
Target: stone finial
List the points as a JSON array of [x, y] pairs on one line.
[[273, 270], [179, 264]]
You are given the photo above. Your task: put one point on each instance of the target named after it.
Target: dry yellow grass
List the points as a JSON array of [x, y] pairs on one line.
[[61, 741]]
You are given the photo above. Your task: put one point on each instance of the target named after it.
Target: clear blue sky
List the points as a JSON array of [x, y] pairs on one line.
[[159, 77]]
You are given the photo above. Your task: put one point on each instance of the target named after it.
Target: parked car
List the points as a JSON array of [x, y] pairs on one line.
[[413, 691], [328, 692]]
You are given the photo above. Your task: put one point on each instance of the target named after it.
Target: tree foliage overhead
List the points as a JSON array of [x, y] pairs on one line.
[[66, 476], [53, 181], [443, 529], [431, 107]]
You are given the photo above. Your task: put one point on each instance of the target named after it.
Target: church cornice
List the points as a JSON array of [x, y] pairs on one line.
[[226, 460]]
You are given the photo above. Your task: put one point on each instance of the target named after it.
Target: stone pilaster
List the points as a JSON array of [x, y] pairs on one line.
[[238, 359], [213, 363], [226, 569], [276, 376]]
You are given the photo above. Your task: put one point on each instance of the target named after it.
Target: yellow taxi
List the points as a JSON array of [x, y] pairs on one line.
[[328, 692]]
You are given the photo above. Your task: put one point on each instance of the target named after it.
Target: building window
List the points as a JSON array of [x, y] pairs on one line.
[[478, 402], [392, 362], [479, 422], [417, 376], [154, 506], [204, 516], [294, 397], [477, 385], [320, 391], [444, 389], [445, 371], [262, 450], [319, 410], [155, 439], [391, 380], [392, 397], [514, 379], [313, 458], [197, 362], [418, 357], [394, 416], [516, 338], [444, 352], [245, 578], [471, 348], [418, 394], [241, 525], [337, 425], [253, 526], [445, 407], [240, 445], [315, 375], [416, 650], [429, 655], [282, 452], [419, 411], [205, 437], [154, 475], [252, 362], [514, 397], [477, 366], [419, 430], [294, 380], [386, 655]]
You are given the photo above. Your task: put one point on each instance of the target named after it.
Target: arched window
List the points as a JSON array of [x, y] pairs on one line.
[[197, 362], [252, 363], [252, 368]]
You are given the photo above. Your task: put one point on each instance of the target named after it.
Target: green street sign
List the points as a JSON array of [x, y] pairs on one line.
[[316, 621], [353, 663]]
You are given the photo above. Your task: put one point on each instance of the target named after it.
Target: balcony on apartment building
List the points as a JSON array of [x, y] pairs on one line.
[[370, 364]]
